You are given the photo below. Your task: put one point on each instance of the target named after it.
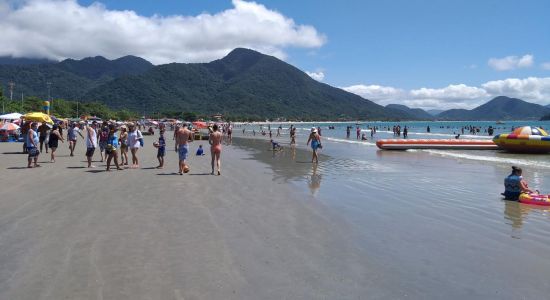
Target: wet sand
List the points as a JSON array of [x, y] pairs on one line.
[[68, 232], [363, 224]]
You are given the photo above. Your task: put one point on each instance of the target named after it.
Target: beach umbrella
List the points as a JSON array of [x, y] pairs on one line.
[[12, 116], [38, 117], [200, 124], [9, 127], [528, 130]]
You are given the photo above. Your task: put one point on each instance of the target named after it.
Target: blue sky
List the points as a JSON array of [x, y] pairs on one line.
[[461, 52]]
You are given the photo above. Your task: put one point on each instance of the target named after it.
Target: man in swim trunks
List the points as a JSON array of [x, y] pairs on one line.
[[183, 136], [215, 141]]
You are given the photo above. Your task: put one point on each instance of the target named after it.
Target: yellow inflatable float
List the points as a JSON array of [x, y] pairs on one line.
[[524, 140]]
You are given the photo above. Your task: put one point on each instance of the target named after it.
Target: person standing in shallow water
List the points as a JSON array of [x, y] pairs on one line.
[[215, 141], [315, 140]]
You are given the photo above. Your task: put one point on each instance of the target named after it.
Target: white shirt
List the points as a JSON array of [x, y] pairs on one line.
[[93, 138]]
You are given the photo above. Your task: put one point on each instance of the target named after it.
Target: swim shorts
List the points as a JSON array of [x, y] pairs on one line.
[[182, 151], [90, 152], [102, 145]]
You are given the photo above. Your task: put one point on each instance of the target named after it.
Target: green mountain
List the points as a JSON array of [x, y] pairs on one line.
[[69, 79], [413, 113], [499, 108], [435, 112], [244, 83]]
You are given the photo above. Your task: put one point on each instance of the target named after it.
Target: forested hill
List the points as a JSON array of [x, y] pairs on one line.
[[244, 83]]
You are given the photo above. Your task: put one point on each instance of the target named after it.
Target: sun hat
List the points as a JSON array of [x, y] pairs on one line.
[[313, 129]]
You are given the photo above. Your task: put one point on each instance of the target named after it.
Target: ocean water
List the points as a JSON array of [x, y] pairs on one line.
[[433, 221]]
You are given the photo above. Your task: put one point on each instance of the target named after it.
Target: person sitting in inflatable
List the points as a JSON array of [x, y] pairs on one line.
[[514, 185]]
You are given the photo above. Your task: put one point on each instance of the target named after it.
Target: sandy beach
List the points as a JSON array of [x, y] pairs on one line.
[[363, 224], [68, 232]]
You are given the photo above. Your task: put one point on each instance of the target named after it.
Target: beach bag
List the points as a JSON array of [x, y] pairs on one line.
[[140, 138]]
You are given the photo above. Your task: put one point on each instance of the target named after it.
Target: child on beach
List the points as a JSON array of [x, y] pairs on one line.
[[200, 151], [161, 149]]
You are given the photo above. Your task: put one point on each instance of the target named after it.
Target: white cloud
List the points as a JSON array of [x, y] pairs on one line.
[[319, 75], [381, 94], [546, 65], [59, 29], [532, 89], [451, 92], [511, 62]]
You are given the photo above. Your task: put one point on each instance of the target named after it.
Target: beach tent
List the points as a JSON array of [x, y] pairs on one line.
[[12, 116], [38, 117]]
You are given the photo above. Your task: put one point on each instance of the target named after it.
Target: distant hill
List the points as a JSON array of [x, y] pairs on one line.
[[16, 61], [545, 118], [98, 67], [413, 113], [499, 108], [70, 79], [435, 112], [244, 83]]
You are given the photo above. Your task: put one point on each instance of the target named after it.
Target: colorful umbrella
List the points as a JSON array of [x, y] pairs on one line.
[[200, 124], [38, 117], [9, 127]]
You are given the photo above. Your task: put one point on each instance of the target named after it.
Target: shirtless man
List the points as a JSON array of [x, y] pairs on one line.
[[215, 141], [183, 136]]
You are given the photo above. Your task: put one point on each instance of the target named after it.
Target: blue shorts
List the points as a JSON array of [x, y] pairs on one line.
[[182, 151], [161, 152]]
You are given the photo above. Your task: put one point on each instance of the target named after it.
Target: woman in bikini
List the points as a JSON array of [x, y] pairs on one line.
[[215, 141]]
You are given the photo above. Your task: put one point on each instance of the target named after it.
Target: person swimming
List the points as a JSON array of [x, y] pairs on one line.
[[514, 185]]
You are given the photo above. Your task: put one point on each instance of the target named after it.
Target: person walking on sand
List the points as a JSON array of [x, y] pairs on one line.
[[134, 142], [43, 129], [71, 137], [183, 136], [161, 152], [32, 145], [123, 141], [315, 140], [111, 148], [215, 141], [91, 142], [175, 137], [103, 136], [53, 142]]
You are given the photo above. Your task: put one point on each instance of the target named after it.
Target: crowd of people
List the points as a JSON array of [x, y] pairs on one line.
[[113, 141]]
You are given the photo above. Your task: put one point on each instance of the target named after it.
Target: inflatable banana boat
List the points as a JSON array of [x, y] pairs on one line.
[[535, 199], [404, 144], [524, 140]]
